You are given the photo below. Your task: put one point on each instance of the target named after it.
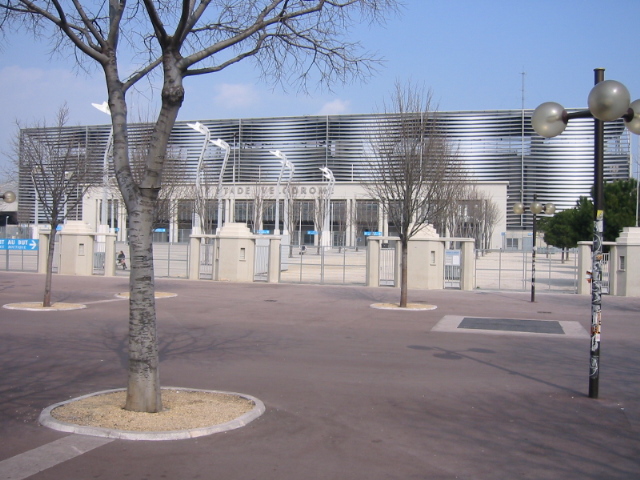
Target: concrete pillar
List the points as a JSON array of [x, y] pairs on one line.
[[584, 265], [468, 274], [76, 249], [236, 253], [273, 274], [110, 255], [425, 260], [373, 261], [397, 271], [43, 246], [194, 257], [627, 262]]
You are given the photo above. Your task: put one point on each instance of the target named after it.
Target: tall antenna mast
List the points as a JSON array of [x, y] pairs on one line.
[[522, 149]]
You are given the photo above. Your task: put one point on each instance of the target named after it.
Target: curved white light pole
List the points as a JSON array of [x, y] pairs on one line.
[[227, 150], [199, 127], [104, 108], [608, 101], [328, 174], [292, 171], [282, 158]]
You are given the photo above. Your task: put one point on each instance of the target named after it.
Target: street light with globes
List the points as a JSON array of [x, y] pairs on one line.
[[8, 197], [536, 209], [608, 101]]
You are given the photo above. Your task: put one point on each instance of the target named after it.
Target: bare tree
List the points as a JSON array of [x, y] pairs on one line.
[[57, 167], [290, 41], [418, 173], [475, 215]]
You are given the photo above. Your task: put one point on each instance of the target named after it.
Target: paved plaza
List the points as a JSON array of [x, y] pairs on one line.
[[486, 386]]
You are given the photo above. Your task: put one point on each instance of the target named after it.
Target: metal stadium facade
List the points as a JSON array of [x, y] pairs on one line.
[[494, 146]]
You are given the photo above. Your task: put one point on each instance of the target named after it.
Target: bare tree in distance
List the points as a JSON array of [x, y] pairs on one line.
[[57, 166], [475, 216], [290, 41], [418, 175]]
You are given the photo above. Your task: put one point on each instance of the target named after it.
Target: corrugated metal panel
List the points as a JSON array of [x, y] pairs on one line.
[[490, 143]]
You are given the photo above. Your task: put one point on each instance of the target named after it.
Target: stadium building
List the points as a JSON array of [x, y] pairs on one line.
[[507, 161]]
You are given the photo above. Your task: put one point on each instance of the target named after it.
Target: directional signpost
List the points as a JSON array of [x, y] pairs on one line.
[[18, 244]]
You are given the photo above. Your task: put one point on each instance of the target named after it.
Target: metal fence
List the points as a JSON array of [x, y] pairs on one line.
[[323, 265], [171, 260], [207, 255], [388, 265], [99, 253], [511, 270], [261, 261], [19, 260], [452, 268]]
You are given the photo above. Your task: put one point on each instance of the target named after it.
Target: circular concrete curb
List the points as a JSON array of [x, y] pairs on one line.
[[411, 307], [49, 421], [37, 306]]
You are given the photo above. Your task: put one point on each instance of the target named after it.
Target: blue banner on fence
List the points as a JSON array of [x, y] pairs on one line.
[[18, 244]]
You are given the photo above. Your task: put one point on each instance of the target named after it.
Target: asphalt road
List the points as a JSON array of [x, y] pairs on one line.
[[351, 392]]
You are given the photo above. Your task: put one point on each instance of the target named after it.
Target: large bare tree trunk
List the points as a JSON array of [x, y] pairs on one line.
[[403, 274], [143, 392], [46, 301]]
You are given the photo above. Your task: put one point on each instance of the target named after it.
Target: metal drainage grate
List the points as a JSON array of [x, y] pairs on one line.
[[512, 325]]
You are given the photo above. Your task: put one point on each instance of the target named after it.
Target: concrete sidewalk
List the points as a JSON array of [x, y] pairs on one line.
[[351, 392]]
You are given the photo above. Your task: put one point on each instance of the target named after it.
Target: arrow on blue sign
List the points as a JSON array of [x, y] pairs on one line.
[[18, 244]]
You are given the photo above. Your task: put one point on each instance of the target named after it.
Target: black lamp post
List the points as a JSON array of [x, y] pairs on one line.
[[536, 208], [608, 101]]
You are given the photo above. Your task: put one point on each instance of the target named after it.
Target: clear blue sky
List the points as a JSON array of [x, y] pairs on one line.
[[470, 53]]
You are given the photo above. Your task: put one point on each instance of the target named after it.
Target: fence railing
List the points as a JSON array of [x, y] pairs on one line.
[[323, 265], [19, 260], [511, 270]]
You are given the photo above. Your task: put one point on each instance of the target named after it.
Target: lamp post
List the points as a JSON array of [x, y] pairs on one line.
[[198, 127], [608, 100], [536, 208], [104, 108], [328, 174], [282, 158]]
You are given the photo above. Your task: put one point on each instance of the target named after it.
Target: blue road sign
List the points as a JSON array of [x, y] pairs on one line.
[[312, 232], [263, 232], [18, 244], [373, 234]]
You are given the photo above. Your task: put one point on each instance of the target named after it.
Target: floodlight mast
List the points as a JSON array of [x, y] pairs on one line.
[[104, 108], [284, 164], [609, 100], [227, 150], [198, 127], [203, 129], [327, 174]]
